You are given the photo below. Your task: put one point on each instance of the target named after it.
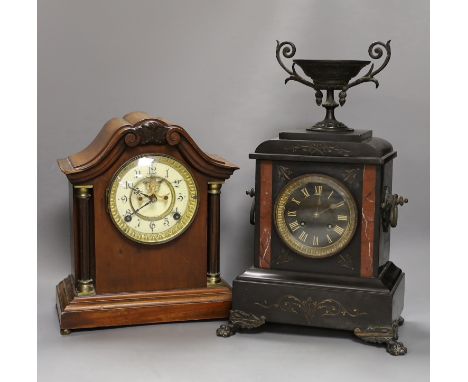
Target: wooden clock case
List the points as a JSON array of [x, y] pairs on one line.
[[116, 281], [358, 289]]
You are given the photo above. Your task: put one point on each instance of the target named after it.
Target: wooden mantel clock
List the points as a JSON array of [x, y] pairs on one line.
[[323, 211], [145, 218]]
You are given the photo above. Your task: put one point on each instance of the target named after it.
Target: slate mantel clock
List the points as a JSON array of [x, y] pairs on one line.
[[145, 218], [322, 212]]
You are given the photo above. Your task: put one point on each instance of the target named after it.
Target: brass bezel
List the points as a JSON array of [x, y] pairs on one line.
[[291, 241], [177, 229]]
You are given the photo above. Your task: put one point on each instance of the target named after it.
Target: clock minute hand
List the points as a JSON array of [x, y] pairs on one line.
[[138, 209], [326, 209]]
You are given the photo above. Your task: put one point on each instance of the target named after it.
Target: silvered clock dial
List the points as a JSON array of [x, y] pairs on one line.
[[315, 215], [152, 199]]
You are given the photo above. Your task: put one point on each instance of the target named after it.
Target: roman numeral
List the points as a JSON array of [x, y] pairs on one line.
[[337, 205], [315, 240], [294, 226], [292, 213], [303, 236], [329, 239], [305, 192], [331, 193], [318, 190], [295, 201], [339, 230], [342, 217]]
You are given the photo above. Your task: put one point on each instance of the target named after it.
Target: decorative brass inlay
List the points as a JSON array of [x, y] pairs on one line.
[[320, 149], [351, 174], [284, 172], [345, 261], [283, 257], [298, 246], [310, 308], [169, 234]]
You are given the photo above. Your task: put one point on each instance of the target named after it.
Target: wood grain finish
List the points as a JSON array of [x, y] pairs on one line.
[[86, 240], [265, 218], [106, 310], [122, 266], [368, 219], [214, 229], [120, 133]]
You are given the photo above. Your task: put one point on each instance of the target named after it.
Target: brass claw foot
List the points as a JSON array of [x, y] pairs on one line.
[[396, 348], [65, 332], [239, 320], [226, 330], [387, 335]]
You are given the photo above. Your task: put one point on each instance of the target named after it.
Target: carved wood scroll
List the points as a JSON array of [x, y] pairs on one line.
[[139, 129]]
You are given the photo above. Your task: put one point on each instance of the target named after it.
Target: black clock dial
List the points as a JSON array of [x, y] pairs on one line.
[[315, 215]]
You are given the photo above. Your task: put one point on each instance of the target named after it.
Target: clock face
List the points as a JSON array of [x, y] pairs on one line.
[[315, 215], [152, 199]]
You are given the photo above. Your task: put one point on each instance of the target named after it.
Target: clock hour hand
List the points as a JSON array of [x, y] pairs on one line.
[[139, 192]]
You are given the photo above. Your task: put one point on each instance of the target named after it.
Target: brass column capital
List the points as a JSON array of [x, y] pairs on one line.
[[214, 187], [83, 192]]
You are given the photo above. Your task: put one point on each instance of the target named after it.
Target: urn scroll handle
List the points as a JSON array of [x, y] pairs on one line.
[[376, 51], [288, 50]]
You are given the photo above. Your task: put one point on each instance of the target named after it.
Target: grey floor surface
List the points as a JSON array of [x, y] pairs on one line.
[[192, 352]]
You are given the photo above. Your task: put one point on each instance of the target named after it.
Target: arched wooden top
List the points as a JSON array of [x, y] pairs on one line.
[[138, 128]]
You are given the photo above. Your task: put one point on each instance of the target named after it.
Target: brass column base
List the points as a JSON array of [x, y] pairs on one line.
[[213, 278], [85, 288]]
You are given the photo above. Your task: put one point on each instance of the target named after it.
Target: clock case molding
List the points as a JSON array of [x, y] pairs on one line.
[[115, 281], [357, 289]]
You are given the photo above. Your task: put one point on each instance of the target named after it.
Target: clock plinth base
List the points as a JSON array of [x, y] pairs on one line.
[[121, 309], [369, 307]]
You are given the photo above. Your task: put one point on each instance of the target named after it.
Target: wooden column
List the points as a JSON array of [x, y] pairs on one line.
[[85, 283], [213, 268]]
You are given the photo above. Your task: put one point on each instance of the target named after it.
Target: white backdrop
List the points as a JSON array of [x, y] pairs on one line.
[[210, 66]]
